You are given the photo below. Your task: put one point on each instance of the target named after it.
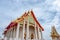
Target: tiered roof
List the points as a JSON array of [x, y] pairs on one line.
[[14, 23]]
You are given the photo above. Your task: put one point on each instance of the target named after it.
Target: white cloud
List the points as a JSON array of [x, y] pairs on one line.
[[56, 3], [46, 12]]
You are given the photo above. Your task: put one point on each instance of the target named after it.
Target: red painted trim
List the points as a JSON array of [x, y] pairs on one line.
[[36, 20], [12, 24], [5, 32]]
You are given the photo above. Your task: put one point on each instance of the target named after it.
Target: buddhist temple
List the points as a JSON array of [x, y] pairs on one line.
[[25, 27], [54, 34]]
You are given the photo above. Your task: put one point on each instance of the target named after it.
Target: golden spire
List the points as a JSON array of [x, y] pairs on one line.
[[54, 33]]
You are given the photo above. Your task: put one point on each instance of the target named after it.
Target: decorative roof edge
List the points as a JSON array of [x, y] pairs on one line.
[[14, 23]]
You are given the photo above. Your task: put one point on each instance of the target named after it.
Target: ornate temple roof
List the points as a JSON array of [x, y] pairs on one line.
[[14, 23]]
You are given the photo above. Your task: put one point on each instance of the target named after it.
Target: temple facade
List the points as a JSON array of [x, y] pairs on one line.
[[25, 27], [54, 34]]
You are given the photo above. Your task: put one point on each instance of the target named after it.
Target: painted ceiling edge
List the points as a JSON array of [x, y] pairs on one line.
[[15, 22]]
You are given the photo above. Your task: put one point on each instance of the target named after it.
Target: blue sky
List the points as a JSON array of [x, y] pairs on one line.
[[46, 11]]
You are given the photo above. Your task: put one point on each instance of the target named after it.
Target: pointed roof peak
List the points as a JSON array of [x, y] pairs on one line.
[[54, 31], [26, 14]]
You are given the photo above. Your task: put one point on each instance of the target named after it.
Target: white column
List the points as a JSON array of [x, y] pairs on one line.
[[27, 38], [8, 36], [11, 34], [23, 29], [39, 35], [5, 38], [17, 32], [35, 31], [14, 33]]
